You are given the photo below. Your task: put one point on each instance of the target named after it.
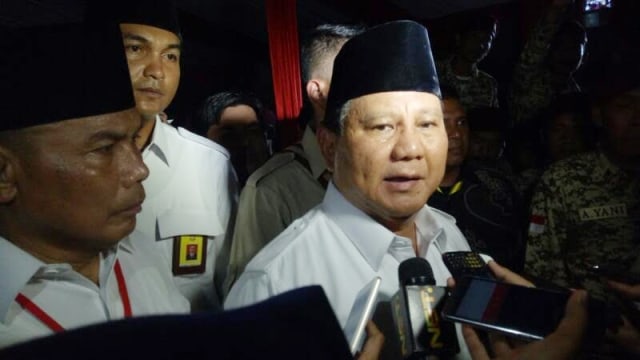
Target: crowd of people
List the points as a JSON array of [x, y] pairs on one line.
[[108, 211]]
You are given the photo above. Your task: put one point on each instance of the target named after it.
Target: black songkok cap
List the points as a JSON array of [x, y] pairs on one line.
[[157, 13], [395, 56], [61, 72]]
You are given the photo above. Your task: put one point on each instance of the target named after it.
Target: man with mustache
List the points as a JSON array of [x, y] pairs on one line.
[[191, 189], [383, 139], [485, 203], [70, 187]]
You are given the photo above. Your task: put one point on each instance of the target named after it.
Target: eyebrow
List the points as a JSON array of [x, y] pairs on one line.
[[130, 36], [392, 113], [107, 135], [136, 37]]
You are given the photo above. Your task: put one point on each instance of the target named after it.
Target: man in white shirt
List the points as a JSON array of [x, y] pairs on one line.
[[384, 140], [71, 186], [191, 188]]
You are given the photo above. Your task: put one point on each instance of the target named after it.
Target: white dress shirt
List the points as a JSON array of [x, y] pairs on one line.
[[191, 190], [72, 300], [339, 247]]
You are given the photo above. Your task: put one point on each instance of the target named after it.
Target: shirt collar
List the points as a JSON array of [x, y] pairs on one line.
[[18, 267], [313, 153], [609, 170], [431, 230], [372, 239], [159, 142]]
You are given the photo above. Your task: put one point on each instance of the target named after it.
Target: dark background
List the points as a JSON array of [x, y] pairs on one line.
[[226, 43]]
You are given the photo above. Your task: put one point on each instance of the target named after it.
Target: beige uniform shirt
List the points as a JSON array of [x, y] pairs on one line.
[[279, 192]]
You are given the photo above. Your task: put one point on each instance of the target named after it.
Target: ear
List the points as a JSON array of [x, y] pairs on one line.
[[8, 187], [327, 140], [317, 92]]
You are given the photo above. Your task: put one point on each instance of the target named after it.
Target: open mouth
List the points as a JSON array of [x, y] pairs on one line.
[[401, 183]]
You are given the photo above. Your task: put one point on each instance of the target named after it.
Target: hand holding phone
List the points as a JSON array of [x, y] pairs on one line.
[[563, 343], [525, 312]]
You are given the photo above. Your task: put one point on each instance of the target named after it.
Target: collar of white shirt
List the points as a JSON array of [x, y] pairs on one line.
[[372, 239], [159, 143], [18, 267]]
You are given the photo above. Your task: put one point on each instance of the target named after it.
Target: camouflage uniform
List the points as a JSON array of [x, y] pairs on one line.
[[531, 90], [479, 89], [489, 212], [585, 211]]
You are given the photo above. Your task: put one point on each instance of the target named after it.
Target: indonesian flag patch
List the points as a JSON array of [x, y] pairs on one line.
[[536, 226]]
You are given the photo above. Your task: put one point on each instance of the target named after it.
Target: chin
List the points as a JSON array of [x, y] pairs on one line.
[[117, 233], [406, 209], [148, 112]]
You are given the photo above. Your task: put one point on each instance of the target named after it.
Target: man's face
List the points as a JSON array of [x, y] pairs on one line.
[[153, 55], [622, 121], [455, 120], [565, 137], [79, 181], [240, 133], [565, 57], [476, 44], [391, 154]]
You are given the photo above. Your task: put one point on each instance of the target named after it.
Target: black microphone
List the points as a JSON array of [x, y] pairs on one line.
[[416, 309]]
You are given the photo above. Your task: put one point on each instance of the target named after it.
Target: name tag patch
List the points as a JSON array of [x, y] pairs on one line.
[[603, 212], [189, 254]]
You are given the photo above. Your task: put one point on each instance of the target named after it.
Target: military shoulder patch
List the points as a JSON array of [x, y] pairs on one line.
[[536, 224]]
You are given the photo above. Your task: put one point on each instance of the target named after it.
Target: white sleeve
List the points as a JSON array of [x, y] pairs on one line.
[[251, 287]]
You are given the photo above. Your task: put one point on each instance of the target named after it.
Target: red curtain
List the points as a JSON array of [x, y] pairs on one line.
[[282, 27]]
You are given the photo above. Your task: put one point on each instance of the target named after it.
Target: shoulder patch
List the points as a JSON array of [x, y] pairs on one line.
[[537, 224], [277, 161], [202, 141]]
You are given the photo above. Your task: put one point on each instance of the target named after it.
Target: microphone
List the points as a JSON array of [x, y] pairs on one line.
[[416, 309]]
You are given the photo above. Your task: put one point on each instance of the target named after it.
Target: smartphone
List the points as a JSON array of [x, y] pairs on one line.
[[524, 312], [361, 312], [595, 5], [466, 263]]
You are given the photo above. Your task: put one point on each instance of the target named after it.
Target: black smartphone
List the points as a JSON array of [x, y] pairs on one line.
[[466, 263], [524, 312]]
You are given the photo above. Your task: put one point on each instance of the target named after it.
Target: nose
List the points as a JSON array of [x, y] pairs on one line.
[[154, 68], [134, 170], [408, 145]]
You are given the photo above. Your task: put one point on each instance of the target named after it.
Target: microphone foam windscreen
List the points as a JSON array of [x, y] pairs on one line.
[[415, 271]]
